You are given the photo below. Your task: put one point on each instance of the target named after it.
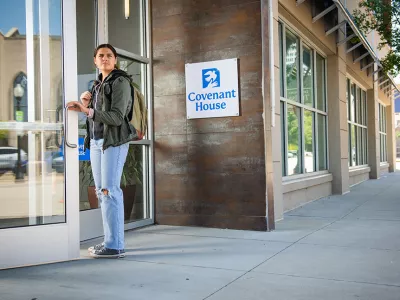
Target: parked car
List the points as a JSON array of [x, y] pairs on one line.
[[9, 159], [58, 162]]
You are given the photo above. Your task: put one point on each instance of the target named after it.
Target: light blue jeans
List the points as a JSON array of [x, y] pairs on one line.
[[107, 169]]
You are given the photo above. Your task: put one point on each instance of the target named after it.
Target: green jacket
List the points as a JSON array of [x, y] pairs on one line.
[[117, 98]]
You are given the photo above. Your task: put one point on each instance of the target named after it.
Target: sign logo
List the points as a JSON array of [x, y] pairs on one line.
[[212, 89], [211, 78]]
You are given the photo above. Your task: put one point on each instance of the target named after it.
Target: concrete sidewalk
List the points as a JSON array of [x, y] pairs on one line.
[[340, 247]]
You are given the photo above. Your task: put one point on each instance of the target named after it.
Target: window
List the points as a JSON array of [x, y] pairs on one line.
[[382, 133], [357, 124], [303, 105]]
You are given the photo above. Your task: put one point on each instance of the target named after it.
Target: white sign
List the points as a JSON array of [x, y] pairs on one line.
[[212, 89]]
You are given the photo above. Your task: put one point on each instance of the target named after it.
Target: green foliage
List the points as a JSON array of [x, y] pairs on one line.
[[3, 134], [384, 18]]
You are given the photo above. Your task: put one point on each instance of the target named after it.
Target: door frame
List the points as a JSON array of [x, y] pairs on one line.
[[91, 222], [32, 245]]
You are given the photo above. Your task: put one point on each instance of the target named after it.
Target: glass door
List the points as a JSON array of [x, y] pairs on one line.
[[125, 25], [39, 211]]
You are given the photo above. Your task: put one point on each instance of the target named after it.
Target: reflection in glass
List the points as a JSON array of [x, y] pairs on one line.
[[307, 76], [358, 106], [360, 160], [281, 76], [135, 182], [308, 142], [365, 145], [365, 107], [283, 138], [126, 33], [322, 150], [353, 153], [320, 83], [292, 57], [31, 171], [348, 93], [352, 102], [135, 69], [294, 140]]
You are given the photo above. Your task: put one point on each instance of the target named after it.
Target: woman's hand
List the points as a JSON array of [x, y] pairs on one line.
[[77, 106], [85, 98]]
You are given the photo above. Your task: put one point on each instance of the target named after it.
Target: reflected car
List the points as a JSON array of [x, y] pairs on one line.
[[58, 162], [9, 159]]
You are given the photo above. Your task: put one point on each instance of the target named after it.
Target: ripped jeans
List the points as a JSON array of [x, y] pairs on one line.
[[107, 169]]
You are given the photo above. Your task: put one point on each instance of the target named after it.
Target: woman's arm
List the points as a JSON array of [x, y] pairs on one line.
[[120, 97]]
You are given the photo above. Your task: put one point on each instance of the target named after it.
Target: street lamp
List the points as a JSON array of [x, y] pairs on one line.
[[18, 94]]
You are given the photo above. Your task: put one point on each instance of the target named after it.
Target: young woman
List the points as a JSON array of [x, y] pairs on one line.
[[108, 134]]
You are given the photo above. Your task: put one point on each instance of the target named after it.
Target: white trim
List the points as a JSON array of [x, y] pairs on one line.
[[135, 57], [291, 102], [357, 124], [70, 83]]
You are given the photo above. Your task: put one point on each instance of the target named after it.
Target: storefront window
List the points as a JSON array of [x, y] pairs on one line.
[[357, 122], [292, 66], [31, 89], [382, 133], [303, 106]]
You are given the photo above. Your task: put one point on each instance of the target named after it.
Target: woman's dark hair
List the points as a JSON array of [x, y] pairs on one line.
[[105, 46]]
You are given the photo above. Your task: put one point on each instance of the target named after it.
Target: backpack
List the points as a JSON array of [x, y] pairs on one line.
[[137, 114]]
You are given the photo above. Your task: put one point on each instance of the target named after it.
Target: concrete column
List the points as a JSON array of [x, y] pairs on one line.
[[373, 132], [391, 135], [338, 136]]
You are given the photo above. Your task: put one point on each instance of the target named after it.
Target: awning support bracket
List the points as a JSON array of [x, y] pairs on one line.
[[323, 13]]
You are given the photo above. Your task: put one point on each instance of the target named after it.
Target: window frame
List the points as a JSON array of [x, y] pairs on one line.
[[284, 102], [383, 153], [360, 122]]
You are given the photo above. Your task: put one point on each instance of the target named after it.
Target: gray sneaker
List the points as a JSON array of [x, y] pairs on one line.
[[96, 247], [107, 253]]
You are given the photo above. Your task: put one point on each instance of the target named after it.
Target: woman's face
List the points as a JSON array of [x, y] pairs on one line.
[[105, 60]]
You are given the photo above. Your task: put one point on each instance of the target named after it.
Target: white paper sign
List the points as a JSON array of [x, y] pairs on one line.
[[212, 89]]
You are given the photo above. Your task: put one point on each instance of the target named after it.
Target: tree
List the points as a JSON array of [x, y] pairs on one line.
[[383, 16]]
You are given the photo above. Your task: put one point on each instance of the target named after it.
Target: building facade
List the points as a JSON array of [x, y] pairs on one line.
[[316, 114]]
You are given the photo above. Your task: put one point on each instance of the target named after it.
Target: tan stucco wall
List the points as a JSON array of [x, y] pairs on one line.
[[13, 60], [340, 66], [358, 175], [300, 191]]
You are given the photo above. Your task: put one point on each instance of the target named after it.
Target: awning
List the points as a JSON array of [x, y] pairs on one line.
[[367, 56]]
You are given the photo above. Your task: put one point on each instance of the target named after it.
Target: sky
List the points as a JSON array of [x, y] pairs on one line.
[[12, 14]]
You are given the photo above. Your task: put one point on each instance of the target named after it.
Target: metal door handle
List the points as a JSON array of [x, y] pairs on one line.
[[66, 128]]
